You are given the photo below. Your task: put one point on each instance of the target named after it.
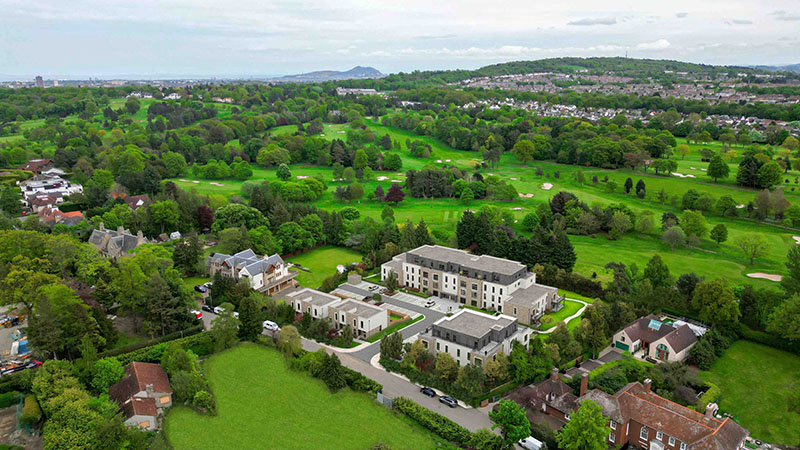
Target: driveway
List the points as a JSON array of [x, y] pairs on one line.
[[394, 386]]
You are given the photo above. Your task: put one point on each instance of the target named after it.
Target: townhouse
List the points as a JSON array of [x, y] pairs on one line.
[[473, 337], [365, 319], [487, 282], [267, 274], [638, 417], [652, 339]]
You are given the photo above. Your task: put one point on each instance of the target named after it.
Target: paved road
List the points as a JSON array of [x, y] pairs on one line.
[[394, 386], [407, 332]]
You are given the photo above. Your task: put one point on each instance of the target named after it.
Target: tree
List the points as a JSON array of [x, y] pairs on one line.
[[224, 329], [640, 189], [674, 236], [10, 200], [628, 185], [250, 327], [513, 422], [484, 439], [693, 223], [107, 371], [467, 196], [289, 341], [586, 430], [715, 302], [682, 150], [785, 319], [657, 272], [446, 367], [524, 151], [355, 191], [752, 245], [719, 233], [395, 194], [791, 281], [132, 105], [283, 172], [392, 346], [718, 168], [387, 214], [165, 213], [235, 215], [592, 329], [391, 281], [769, 175], [620, 223], [332, 373]]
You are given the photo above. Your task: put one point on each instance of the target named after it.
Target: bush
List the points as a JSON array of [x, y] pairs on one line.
[[139, 345], [434, 422], [9, 399], [767, 339], [31, 412], [186, 385], [203, 399], [710, 396], [200, 344]]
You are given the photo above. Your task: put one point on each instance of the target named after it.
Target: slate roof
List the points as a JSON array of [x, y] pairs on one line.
[[473, 323], [477, 262], [314, 297], [358, 308], [564, 400], [643, 329], [681, 338], [247, 259]]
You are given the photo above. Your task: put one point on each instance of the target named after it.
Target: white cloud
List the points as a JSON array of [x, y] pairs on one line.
[[739, 22], [660, 44], [682, 15], [590, 22]]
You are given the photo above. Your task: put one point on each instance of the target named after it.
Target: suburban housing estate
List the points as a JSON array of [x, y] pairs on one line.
[[487, 282], [267, 274], [472, 337], [365, 319]]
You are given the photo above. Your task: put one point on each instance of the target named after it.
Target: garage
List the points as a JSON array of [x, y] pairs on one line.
[[621, 345]]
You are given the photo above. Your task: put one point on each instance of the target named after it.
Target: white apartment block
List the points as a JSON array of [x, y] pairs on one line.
[[365, 319]]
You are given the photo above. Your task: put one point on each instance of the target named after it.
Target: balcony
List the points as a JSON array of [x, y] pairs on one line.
[[557, 303]]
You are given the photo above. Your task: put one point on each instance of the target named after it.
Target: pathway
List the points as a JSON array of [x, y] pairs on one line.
[[566, 321]]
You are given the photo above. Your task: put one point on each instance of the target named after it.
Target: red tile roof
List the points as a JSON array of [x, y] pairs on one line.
[[136, 406], [138, 376]]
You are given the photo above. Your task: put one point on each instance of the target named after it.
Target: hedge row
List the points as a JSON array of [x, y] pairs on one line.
[[9, 399], [767, 339], [426, 379], [167, 337], [31, 412], [200, 344], [434, 422], [710, 396]]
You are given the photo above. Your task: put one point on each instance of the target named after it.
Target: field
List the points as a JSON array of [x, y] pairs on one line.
[[322, 262], [755, 382], [594, 252], [262, 404]]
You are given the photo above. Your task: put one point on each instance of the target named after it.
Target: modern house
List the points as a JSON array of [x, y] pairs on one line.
[[142, 394], [50, 186], [487, 282], [650, 338], [365, 319], [116, 244], [37, 165], [268, 274], [473, 337], [640, 418]]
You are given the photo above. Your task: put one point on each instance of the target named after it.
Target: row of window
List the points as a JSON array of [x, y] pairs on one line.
[[643, 433]]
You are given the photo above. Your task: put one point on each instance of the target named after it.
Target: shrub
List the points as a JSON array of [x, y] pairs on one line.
[[31, 412], [200, 344], [203, 399], [434, 422], [139, 345], [9, 399], [710, 396], [186, 385]]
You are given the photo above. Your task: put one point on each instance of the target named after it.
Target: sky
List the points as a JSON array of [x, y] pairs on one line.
[[257, 38]]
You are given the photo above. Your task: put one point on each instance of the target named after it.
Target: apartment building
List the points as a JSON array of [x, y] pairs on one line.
[[638, 417], [483, 281], [268, 274], [365, 319], [473, 337]]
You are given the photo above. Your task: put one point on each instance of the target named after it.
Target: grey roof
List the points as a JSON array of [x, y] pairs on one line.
[[681, 338], [461, 257], [247, 259], [124, 240], [648, 329], [314, 297], [530, 295], [358, 308], [609, 403], [473, 323], [395, 264]]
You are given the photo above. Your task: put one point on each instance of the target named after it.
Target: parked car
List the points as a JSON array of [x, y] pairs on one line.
[[198, 314], [530, 443], [201, 289], [208, 284], [270, 325], [430, 304], [207, 308], [428, 391], [449, 401], [219, 310]]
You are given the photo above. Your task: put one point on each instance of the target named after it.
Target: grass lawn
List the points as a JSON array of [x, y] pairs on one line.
[[570, 308], [755, 381], [191, 282], [573, 295], [262, 404], [395, 327], [322, 262]]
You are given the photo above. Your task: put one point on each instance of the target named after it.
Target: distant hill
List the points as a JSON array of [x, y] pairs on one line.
[[356, 73], [790, 68]]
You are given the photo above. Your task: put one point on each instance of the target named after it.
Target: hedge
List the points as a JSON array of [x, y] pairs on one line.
[[167, 337], [767, 339], [710, 396], [434, 422], [31, 412], [200, 344], [20, 381], [9, 399]]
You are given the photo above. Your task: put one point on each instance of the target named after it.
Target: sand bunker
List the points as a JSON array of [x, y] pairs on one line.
[[765, 276], [396, 181], [740, 206], [301, 177], [796, 239], [547, 186], [680, 175], [382, 178], [340, 131], [214, 183], [516, 209], [195, 182], [528, 195]]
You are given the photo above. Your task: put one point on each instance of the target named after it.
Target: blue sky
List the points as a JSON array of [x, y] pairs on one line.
[[241, 38]]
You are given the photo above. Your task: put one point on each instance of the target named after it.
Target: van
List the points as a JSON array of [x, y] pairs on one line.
[[530, 443]]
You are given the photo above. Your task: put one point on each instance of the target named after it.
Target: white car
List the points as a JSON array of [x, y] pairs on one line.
[[530, 443], [430, 304], [219, 310], [270, 325]]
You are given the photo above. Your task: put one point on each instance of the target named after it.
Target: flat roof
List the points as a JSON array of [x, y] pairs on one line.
[[314, 297], [474, 323], [530, 295], [359, 308], [461, 257]]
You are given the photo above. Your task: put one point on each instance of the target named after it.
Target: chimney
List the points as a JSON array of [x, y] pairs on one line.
[[149, 388], [647, 383], [102, 226], [120, 229], [555, 374], [711, 409], [584, 384]]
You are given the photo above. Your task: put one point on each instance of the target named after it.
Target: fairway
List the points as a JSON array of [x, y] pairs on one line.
[[755, 382], [322, 262], [263, 405]]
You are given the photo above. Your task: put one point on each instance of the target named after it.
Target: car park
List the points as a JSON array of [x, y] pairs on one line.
[[449, 401], [428, 391], [270, 325]]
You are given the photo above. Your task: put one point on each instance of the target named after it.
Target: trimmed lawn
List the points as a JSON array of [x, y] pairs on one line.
[[570, 308], [755, 381], [190, 282], [322, 262], [264, 405], [395, 327], [573, 295]]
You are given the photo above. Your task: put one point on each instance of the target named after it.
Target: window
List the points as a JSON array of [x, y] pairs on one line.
[[515, 310], [446, 349], [164, 399], [425, 344], [613, 426], [566, 416], [478, 362], [671, 441], [683, 446], [463, 283], [611, 437], [643, 433], [659, 435], [435, 277], [437, 346], [474, 286], [424, 274], [458, 352]]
